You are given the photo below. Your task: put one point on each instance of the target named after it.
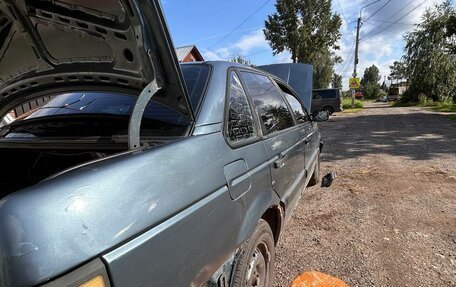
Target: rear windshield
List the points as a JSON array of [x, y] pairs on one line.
[[158, 119], [122, 104]]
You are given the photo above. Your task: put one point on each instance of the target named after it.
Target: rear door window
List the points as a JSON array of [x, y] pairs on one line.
[[271, 107]]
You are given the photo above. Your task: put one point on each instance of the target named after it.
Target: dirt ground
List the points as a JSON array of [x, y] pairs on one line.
[[389, 218]]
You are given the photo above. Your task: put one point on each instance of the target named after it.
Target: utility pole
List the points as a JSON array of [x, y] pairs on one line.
[[358, 27], [356, 57], [357, 46]]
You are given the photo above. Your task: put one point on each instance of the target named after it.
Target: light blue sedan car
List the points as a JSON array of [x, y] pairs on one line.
[[126, 169]]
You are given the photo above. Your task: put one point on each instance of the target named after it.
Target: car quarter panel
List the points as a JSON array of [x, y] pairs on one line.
[[63, 222], [188, 248]]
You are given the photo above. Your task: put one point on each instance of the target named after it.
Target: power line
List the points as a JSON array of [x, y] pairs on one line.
[[416, 7], [346, 59], [238, 26], [390, 18], [378, 10], [345, 19], [257, 53], [381, 21], [221, 35], [347, 69]]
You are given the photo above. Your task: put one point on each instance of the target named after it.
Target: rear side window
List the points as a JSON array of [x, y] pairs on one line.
[[271, 107], [324, 94], [240, 122]]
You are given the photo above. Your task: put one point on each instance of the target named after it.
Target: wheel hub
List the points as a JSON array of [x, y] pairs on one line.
[[258, 267]]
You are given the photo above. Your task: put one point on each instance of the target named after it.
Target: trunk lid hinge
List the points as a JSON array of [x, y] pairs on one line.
[[134, 126]]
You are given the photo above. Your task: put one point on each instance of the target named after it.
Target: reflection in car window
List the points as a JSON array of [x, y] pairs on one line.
[[158, 119], [240, 122], [270, 106], [298, 110]]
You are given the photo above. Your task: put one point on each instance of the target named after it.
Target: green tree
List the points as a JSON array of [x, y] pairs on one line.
[[323, 69], [369, 82], [371, 75], [336, 81], [309, 31], [241, 60], [451, 32], [398, 71], [431, 65]]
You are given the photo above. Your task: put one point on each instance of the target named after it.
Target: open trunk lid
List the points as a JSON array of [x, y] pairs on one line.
[[54, 44]]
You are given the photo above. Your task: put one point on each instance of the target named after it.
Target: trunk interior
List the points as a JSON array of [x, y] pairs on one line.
[[20, 168]]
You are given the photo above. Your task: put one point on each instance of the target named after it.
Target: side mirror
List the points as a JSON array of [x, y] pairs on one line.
[[320, 116]]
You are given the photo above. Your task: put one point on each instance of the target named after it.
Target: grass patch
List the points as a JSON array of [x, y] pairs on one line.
[[436, 106], [445, 107], [346, 104]]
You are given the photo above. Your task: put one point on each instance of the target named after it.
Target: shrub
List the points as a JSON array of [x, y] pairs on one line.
[[346, 104], [423, 100]]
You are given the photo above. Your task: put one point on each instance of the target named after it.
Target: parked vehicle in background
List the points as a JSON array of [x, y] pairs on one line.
[[382, 99], [138, 171], [359, 96], [392, 97], [326, 100], [394, 92]]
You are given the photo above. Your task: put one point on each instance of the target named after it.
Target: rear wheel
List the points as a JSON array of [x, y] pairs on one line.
[[316, 174], [329, 110], [255, 263]]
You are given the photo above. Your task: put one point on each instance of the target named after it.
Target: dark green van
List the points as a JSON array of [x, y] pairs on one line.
[[326, 100]]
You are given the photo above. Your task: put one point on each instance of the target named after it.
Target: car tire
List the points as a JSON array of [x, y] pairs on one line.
[[316, 174], [254, 265], [329, 110]]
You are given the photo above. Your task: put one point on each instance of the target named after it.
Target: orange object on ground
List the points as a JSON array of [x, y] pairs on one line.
[[317, 279]]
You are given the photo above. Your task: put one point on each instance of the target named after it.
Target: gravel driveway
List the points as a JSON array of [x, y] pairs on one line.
[[389, 219]]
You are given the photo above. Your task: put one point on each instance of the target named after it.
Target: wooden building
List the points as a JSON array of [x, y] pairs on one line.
[[188, 54]]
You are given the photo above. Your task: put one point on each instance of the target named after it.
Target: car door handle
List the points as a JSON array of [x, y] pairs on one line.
[[281, 161], [306, 140]]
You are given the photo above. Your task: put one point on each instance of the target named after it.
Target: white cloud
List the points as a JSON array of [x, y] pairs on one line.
[[284, 57], [248, 44], [382, 46], [218, 54], [251, 41]]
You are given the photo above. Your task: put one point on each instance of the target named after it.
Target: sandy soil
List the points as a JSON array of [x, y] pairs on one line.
[[389, 218]]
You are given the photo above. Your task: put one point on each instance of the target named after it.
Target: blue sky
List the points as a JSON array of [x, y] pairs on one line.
[[209, 24]]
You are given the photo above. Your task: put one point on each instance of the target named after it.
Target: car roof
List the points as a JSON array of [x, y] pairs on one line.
[[225, 65], [213, 106]]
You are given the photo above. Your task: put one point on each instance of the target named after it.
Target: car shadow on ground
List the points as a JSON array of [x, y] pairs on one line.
[[418, 136]]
